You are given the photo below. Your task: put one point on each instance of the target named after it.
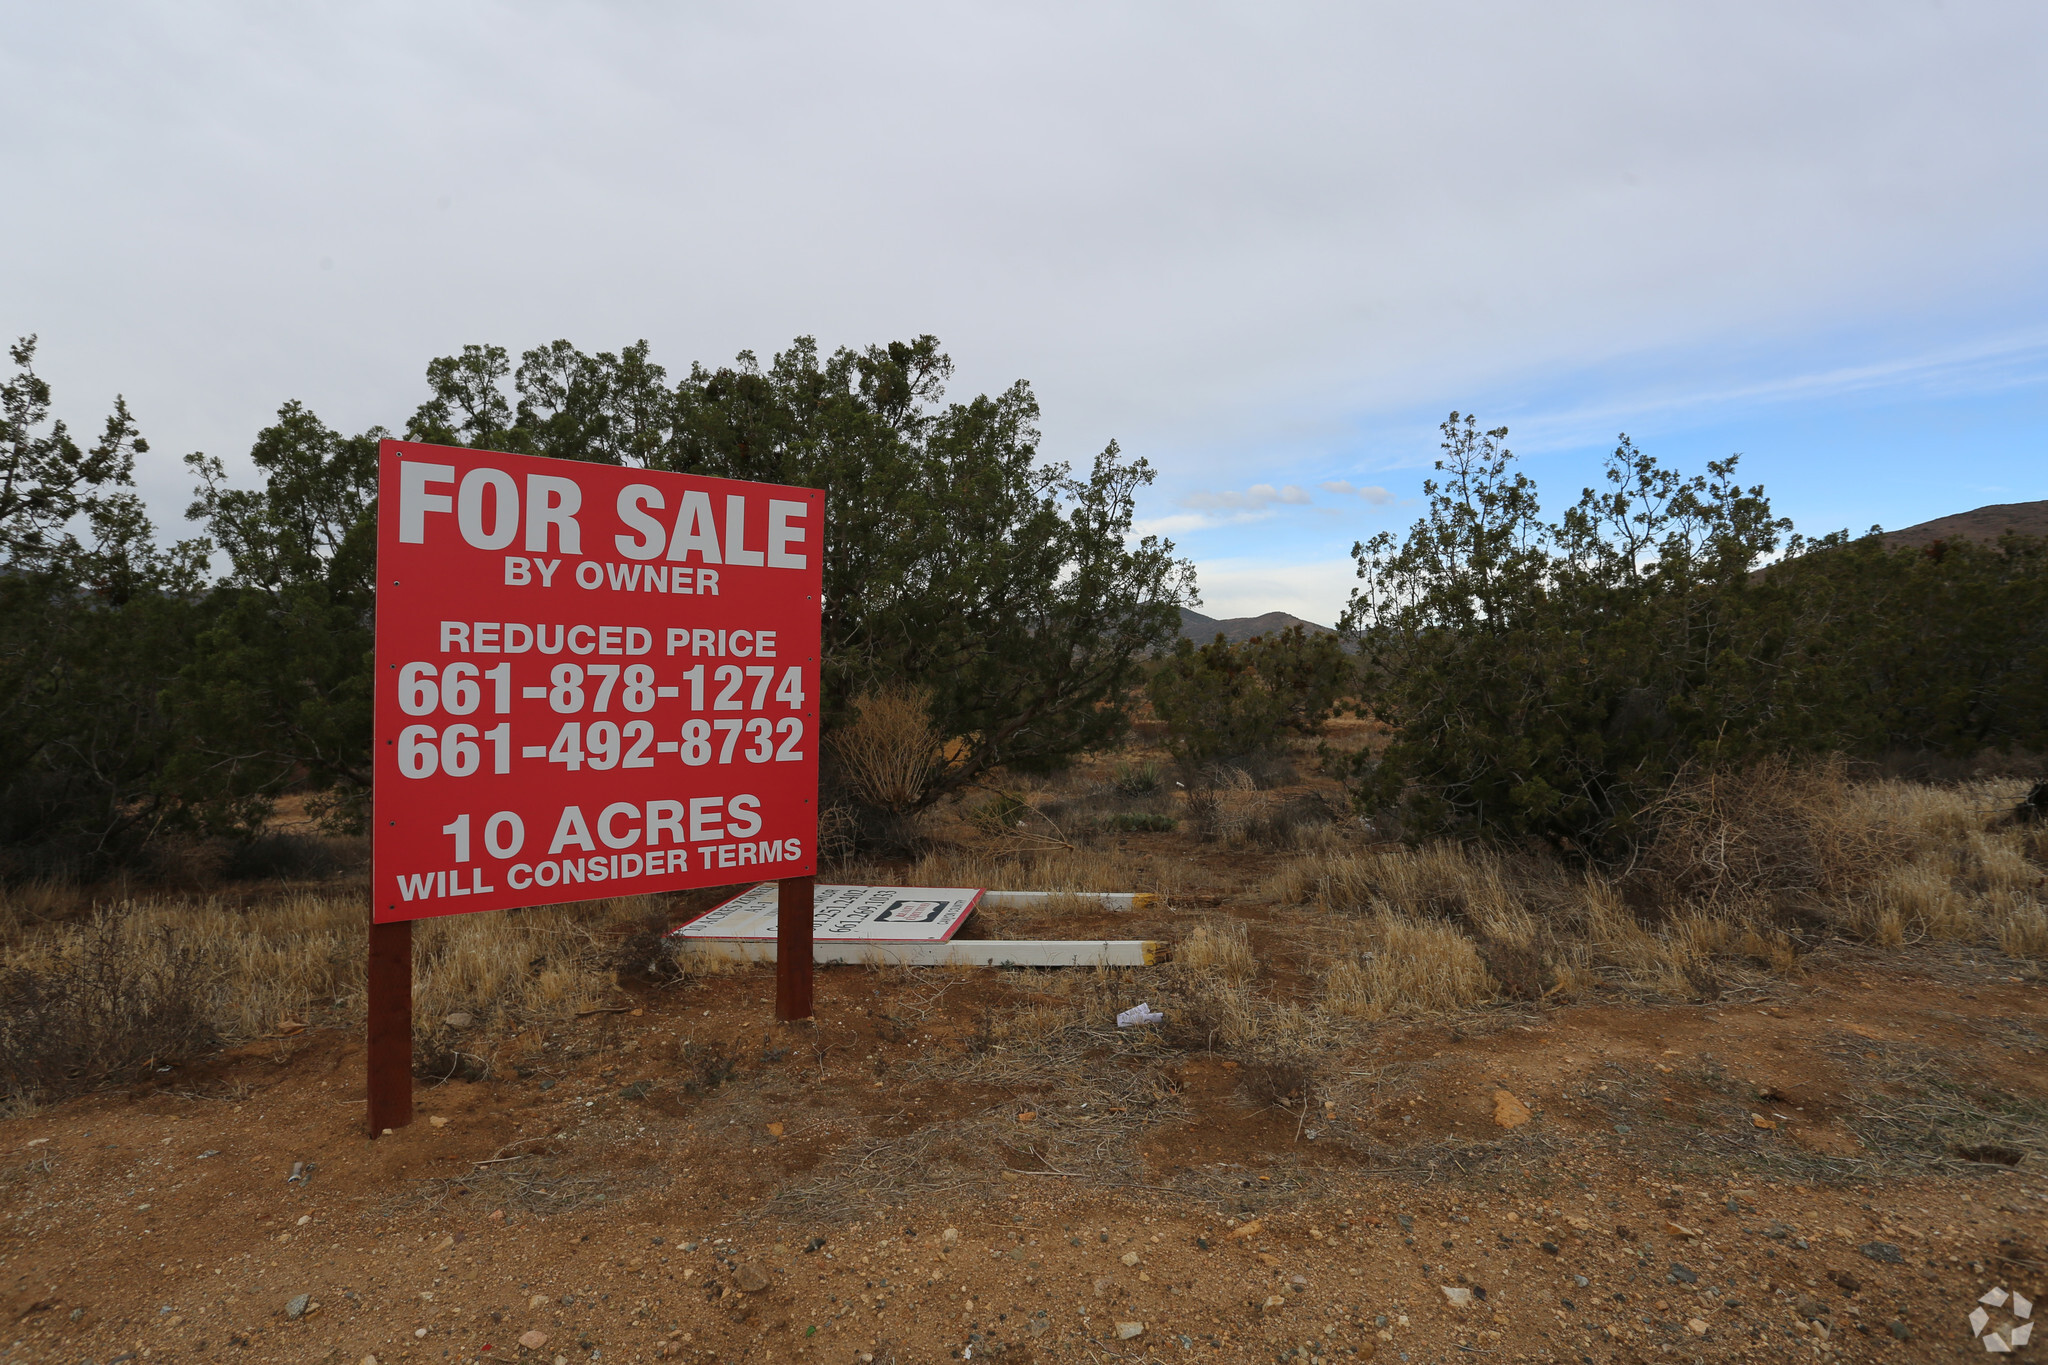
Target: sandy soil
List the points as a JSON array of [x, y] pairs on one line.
[[1774, 1177]]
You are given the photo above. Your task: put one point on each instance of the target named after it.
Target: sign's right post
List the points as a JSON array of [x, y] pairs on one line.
[[794, 901]]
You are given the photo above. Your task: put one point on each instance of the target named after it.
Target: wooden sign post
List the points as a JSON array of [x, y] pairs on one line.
[[592, 681], [389, 988], [795, 897]]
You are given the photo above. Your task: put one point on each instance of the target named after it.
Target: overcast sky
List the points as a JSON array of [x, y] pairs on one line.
[[1267, 247]]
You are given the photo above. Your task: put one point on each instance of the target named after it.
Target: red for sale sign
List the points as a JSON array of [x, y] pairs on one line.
[[591, 681]]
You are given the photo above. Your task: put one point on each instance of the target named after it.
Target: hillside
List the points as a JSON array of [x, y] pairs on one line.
[[1237, 629], [1984, 523]]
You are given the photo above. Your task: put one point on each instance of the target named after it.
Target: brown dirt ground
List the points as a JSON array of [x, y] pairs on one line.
[[1768, 1178]]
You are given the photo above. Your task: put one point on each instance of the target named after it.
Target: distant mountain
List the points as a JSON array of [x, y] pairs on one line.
[[1237, 629], [1986, 523]]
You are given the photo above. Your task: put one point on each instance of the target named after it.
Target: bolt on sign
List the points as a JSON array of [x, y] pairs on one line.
[[591, 681]]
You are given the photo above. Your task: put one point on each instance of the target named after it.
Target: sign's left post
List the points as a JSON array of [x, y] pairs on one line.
[[388, 986]]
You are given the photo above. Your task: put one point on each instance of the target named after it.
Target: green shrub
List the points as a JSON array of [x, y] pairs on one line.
[[1225, 701], [1141, 779], [1553, 680], [1000, 812]]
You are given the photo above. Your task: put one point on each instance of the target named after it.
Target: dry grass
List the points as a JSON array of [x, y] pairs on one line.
[[1331, 876], [1784, 832], [1472, 885], [1411, 966], [206, 971], [1300, 937], [1213, 973], [1619, 946], [1915, 902], [1221, 947], [253, 969], [2023, 930], [520, 968], [1998, 862], [1232, 808], [1745, 874], [1216, 1012]]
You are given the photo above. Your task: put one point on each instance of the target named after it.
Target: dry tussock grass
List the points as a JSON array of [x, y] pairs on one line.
[[1744, 877], [1232, 808], [2023, 931], [255, 968], [1406, 965], [1743, 871], [1213, 973], [519, 968], [1998, 862], [1612, 937], [1463, 883], [209, 971], [1209, 1011], [1221, 947]]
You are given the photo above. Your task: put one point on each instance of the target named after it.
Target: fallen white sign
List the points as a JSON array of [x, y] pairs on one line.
[[843, 914]]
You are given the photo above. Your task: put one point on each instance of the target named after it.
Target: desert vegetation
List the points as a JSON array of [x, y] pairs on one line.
[[1750, 876], [1295, 928], [1658, 748]]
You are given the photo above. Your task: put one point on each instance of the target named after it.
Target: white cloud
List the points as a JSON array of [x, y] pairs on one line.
[[1372, 493], [1315, 591], [1214, 233], [1258, 498], [1179, 524]]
